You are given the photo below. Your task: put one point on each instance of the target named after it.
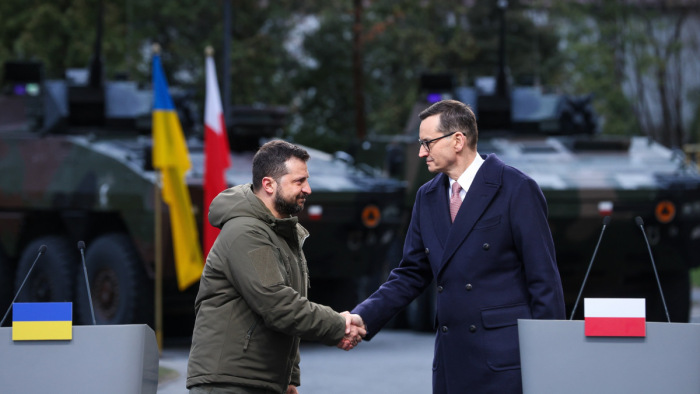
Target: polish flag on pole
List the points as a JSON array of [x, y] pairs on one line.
[[615, 317], [216, 150]]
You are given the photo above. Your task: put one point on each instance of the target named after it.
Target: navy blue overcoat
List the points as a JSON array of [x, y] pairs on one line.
[[494, 265]]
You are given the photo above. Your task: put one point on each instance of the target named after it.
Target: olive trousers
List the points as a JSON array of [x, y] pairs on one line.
[[228, 389]]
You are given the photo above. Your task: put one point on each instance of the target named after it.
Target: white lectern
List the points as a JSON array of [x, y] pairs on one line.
[[117, 359], [557, 357]]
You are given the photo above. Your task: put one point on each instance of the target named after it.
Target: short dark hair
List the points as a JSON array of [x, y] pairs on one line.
[[271, 158], [455, 116]]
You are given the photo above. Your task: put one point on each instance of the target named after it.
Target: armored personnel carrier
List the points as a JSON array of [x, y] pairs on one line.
[[584, 176], [75, 158]]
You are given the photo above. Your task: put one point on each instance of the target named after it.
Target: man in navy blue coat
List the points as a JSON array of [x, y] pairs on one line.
[[493, 265]]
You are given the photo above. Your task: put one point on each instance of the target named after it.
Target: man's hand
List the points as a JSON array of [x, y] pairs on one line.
[[291, 390], [355, 330]]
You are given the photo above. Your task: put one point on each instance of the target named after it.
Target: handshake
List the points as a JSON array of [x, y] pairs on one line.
[[355, 330]]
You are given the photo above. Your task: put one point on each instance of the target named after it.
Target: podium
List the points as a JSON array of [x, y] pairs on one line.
[[110, 359], [557, 357]]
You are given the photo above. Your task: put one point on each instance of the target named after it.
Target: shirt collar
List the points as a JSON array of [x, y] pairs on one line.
[[467, 178]]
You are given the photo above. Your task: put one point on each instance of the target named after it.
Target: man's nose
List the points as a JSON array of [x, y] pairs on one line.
[[422, 152], [306, 188]]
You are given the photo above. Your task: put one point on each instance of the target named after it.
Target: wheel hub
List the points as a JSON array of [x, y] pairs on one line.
[[106, 293]]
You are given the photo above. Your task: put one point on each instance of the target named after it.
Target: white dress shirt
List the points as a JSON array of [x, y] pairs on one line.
[[465, 180]]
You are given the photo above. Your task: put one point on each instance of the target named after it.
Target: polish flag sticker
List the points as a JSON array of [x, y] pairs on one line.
[[615, 317], [315, 212]]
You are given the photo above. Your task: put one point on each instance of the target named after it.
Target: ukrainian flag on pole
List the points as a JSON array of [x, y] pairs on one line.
[[171, 157]]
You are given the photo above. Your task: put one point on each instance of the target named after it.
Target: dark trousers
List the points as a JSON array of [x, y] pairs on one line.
[[228, 389]]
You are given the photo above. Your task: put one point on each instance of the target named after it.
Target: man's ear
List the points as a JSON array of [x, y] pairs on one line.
[[460, 142], [268, 184]]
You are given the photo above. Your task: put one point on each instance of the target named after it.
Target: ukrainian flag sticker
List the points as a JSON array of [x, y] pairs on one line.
[[42, 321]]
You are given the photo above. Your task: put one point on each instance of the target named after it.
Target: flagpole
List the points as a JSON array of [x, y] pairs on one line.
[[158, 241], [227, 59], [158, 263]]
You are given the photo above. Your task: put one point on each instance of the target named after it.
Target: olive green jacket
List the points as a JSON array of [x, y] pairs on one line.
[[251, 309]]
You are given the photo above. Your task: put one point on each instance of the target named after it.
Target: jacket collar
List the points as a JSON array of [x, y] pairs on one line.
[[286, 227], [486, 184]]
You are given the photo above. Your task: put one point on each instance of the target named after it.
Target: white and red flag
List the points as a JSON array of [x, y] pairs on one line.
[[216, 151], [615, 317]]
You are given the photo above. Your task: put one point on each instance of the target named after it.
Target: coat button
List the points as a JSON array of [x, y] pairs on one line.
[[444, 328], [472, 328], [486, 246], [427, 251], [468, 286], [440, 289]]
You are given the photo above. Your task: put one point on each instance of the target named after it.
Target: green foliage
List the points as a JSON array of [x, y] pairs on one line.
[[694, 98], [531, 48], [52, 32], [595, 67], [695, 277], [259, 63], [324, 101], [62, 35], [400, 42], [631, 57]]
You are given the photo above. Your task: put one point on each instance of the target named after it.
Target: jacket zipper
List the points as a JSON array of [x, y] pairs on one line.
[[304, 267], [305, 271], [250, 333]]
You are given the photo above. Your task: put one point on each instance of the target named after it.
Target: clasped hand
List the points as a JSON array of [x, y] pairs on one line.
[[355, 330]]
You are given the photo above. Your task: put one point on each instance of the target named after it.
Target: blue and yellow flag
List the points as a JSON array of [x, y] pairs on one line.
[[41, 321], [171, 157]]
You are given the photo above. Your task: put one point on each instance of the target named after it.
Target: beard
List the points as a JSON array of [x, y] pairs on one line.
[[289, 206]]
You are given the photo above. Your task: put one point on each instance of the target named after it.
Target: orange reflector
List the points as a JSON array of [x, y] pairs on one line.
[[665, 211], [371, 216]]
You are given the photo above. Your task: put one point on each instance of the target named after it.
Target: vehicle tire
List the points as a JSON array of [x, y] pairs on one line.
[[121, 292], [51, 280], [6, 285]]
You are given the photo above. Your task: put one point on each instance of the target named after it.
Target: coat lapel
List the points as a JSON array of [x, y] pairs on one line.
[[482, 191], [440, 214]]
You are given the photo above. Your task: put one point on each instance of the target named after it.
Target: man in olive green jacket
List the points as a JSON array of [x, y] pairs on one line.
[[251, 309]]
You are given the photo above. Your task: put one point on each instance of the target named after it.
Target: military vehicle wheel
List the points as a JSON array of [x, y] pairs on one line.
[[6, 285], [51, 280], [121, 292], [420, 314]]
